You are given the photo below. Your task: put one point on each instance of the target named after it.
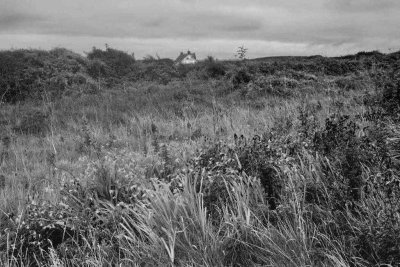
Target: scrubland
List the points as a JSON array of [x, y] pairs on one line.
[[110, 161]]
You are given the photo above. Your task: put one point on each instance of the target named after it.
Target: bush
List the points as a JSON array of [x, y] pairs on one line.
[[336, 67], [240, 77], [111, 64], [43, 226], [258, 158], [32, 73], [214, 69], [162, 72], [262, 85]]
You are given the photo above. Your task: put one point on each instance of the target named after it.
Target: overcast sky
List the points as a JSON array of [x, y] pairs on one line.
[[207, 27]]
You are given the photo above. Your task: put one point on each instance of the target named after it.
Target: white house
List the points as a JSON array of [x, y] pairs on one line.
[[186, 58]]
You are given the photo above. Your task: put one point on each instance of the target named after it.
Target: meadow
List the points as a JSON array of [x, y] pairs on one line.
[[110, 161]]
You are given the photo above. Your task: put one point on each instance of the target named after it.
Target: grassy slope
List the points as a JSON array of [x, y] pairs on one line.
[[119, 140]]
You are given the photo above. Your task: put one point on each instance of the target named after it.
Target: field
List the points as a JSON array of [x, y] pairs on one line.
[[110, 161]]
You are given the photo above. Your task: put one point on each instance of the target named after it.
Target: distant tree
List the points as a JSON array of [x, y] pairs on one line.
[[241, 52]]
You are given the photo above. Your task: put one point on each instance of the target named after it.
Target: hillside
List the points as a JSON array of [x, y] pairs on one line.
[[106, 160]]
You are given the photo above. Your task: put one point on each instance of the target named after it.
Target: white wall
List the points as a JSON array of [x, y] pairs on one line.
[[189, 60]]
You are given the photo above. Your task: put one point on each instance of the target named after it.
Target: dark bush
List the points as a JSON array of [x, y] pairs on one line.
[[162, 72], [215, 69], [184, 70], [240, 77], [112, 63], [339, 67], [43, 226], [255, 157], [261, 86], [32, 73]]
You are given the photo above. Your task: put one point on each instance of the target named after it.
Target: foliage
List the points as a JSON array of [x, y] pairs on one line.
[[117, 60], [32, 73], [240, 77], [214, 69], [241, 52], [277, 162], [266, 85], [162, 72]]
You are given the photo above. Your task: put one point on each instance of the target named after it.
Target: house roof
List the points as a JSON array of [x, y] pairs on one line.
[[183, 55]]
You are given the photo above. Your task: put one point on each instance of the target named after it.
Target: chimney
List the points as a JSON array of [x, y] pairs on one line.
[[188, 52]]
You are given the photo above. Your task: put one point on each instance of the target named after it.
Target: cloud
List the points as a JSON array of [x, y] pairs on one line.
[[140, 21], [363, 6], [13, 21], [299, 26]]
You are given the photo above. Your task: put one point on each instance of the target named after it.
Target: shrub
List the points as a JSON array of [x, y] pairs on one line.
[[162, 72], [32, 73], [42, 226], [280, 86], [240, 77], [336, 67], [349, 83], [339, 142], [258, 157], [112, 63], [214, 69]]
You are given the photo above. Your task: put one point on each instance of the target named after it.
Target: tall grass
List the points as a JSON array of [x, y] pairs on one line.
[[170, 175]]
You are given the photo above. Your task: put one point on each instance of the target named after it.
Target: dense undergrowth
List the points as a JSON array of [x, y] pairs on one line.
[[221, 164]]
